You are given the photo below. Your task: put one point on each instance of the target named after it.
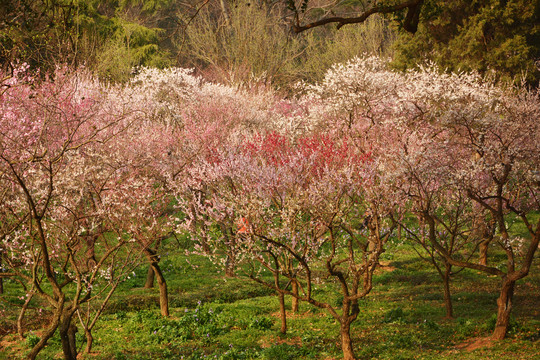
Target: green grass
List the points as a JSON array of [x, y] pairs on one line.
[[214, 317]]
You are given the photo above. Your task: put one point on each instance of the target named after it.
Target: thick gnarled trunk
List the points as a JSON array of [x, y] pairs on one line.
[[67, 336], [49, 332]]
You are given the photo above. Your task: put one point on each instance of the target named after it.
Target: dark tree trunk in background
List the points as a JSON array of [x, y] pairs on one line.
[[483, 252], [1, 278], [150, 276], [295, 301]]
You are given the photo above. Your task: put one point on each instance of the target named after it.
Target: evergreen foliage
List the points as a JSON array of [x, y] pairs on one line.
[[108, 36], [501, 37]]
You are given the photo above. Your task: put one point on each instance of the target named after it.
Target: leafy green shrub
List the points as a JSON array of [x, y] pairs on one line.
[[32, 340], [430, 325], [203, 322]]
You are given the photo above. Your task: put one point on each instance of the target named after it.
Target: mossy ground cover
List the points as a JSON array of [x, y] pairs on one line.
[[214, 317]]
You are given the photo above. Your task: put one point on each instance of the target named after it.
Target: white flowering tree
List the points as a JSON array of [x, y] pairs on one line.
[[462, 151], [493, 142]]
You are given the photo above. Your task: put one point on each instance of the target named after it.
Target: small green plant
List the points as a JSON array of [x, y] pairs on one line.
[[32, 340], [282, 352], [465, 328], [238, 353], [263, 323], [120, 315], [394, 315]]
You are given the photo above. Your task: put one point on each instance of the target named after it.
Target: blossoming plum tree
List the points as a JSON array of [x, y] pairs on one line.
[[479, 143], [310, 204], [65, 186], [451, 144]]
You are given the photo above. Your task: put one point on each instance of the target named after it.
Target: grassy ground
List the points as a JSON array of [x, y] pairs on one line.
[[214, 317]]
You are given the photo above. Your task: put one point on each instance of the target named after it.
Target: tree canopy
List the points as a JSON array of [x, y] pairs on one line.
[[498, 36]]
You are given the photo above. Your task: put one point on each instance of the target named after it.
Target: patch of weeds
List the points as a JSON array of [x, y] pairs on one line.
[[237, 353], [120, 315], [132, 303], [434, 296], [404, 340], [430, 325], [403, 276], [120, 356], [368, 351], [465, 328], [262, 323], [32, 340], [314, 342], [203, 322], [396, 315], [283, 352], [531, 331]]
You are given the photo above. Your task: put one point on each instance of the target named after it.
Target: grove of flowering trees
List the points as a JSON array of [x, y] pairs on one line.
[[290, 193]]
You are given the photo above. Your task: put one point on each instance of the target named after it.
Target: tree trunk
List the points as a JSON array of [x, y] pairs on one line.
[[163, 292], [67, 336], [504, 307], [230, 260], [483, 256], [49, 332], [283, 312], [295, 301], [149, 278], [20, 330], [89, 341], [153, 258], [447, 294], [229, 269], [346, 342]]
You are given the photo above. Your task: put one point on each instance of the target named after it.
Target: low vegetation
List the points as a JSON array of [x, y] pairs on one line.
[[230, 318]]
